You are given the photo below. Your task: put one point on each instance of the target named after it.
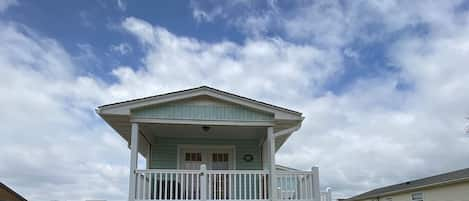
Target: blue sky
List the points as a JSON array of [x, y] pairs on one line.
[[381, 83], [95, 24], [92, 27]]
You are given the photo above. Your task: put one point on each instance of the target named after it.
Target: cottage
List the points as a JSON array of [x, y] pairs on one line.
[[207, 144]]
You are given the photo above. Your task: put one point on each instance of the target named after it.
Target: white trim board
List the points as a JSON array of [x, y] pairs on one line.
[[202, 122]]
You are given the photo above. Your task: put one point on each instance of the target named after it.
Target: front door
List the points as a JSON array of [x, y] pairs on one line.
[[213, 158]]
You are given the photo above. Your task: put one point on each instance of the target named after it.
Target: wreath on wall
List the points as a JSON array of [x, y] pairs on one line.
[[248, 157]]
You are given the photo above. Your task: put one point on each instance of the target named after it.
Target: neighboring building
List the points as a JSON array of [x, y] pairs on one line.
[[207, 144], [7, 194], [451, 186]]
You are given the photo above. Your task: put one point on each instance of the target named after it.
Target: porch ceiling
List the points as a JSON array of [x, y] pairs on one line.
[[197, 131]]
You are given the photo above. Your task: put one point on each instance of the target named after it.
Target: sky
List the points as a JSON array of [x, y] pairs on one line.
[[383, 85]]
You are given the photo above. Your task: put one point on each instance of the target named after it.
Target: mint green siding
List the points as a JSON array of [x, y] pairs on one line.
[[210, 110], [164, 151]]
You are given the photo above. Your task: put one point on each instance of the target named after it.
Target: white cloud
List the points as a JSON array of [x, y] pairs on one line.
[[49, 133], [5, 4], [226, 64], [121, 48], [122, 5]]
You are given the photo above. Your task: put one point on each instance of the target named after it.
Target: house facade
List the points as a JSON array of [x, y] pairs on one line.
[[207, 144], [451, 186]]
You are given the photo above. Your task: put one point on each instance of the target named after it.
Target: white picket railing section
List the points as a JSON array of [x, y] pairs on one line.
[[295, 185], [168, 185], [237, 185], [213, 185], [326, 195]]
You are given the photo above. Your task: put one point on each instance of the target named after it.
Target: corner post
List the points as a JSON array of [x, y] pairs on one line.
[[203, 182], [133, 160], [271, 150], [329, 194], [316, 190]]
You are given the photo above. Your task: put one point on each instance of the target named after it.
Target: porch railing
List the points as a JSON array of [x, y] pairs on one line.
[[212, 185], [295, 185]]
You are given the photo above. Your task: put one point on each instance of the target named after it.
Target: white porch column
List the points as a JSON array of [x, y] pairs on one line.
[[271, 151], [133, 160], [329, 194], [316, 190]]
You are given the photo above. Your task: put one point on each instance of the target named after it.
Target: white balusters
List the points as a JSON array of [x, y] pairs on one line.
[[237, 185], [212, 185], [296, 185]]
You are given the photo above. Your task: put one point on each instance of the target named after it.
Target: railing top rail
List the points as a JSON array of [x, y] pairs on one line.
[[198, 171], [222, 171], [293, 172], [237, 171], [166, 171]]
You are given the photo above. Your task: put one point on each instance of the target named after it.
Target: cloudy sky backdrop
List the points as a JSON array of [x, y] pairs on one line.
[[384, 85]]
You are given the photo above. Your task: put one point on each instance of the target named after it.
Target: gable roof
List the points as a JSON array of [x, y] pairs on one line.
[[119, 115], [194, 90], [12, 192], [441, 179]]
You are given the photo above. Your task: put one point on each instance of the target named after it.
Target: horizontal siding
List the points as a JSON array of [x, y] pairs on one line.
[[202, 110], [164, 151]]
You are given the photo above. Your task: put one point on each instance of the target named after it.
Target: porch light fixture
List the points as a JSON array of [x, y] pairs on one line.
[[206, 128]]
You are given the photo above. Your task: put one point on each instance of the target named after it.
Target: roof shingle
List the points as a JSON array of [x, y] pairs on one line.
[[441, 178]]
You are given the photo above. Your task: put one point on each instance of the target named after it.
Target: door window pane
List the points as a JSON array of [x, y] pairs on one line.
[[192, 160], [193, 157], [220, 161]]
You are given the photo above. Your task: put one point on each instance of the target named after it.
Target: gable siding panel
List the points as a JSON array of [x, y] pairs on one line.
[[187, 111]]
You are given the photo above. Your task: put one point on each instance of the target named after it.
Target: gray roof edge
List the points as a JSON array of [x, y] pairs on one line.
[[202, 88], [441, 181]]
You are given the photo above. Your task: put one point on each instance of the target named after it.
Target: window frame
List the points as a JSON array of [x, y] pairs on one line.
[[420, 198]]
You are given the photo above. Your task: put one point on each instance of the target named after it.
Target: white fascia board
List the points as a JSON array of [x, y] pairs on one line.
[[124, 108], [288, 130]]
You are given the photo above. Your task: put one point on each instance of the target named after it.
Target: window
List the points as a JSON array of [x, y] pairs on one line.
[[388, 199], [193, 157], [417, 197], [220, 161]]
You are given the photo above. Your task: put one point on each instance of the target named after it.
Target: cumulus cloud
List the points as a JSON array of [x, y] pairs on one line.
[[121, 48], [49, 132], [227, 65]]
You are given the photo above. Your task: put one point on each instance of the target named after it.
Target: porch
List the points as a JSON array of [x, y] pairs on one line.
[[215, 162]]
